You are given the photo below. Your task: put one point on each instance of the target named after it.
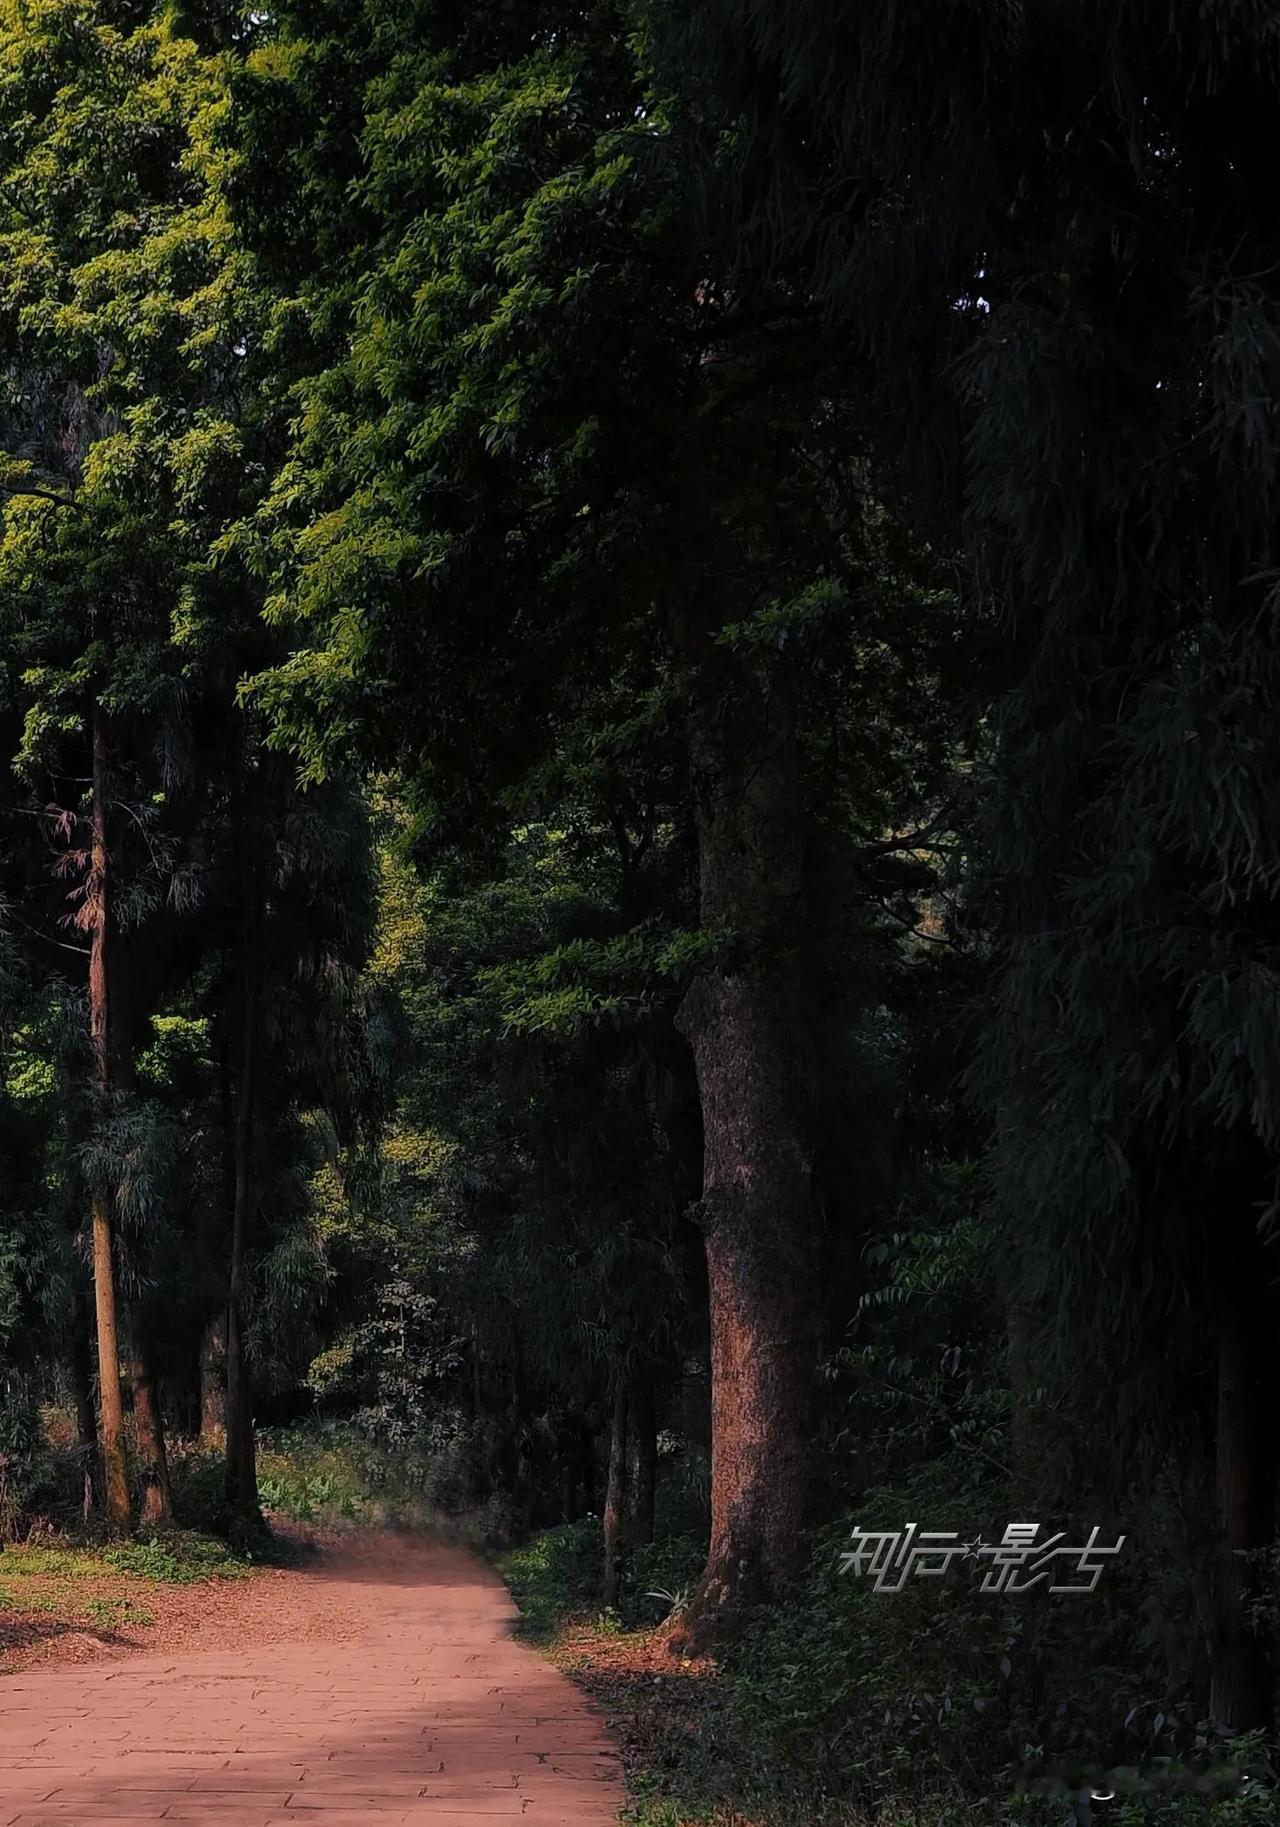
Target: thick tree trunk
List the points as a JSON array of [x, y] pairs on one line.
[[1242, 1691], [241, 1460], [615, 1498], [643, 1429], [148, 1425], [748, 1025], [213, 1384], [111, 1429]]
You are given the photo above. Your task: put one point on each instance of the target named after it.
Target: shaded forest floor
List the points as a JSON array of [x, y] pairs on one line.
[[663, 1714], [666, 1713], [61, 1602], [847, 1708]]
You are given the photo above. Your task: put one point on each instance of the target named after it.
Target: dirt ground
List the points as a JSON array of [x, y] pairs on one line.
[[53, 1619]]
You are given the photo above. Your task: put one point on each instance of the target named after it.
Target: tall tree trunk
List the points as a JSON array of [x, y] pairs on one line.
[[213, 1384], [1242, 1688], [615, 1497], [115, 1472], [82, 1393], [148, 1424], [241, 1461], [643, 1430], [747, 1022]]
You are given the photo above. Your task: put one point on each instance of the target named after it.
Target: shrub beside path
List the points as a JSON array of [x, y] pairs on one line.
[[413, 1705]]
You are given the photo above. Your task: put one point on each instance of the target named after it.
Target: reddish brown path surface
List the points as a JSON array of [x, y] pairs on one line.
[[426, 1711]]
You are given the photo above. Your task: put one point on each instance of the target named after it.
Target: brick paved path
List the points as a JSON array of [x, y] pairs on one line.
[[432, 1714]]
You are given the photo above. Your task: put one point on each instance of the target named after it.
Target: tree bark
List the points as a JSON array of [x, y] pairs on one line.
[[643, 1429], [615, 1498], [213, 1384], [148, 1424], [111, 1430], [1242, 1686], [748, 1025], [241, 1460]]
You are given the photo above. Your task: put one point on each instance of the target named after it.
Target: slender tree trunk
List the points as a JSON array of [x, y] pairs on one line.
[[82, 1392], [241, 1461], [615, 1497], [114, 1469], [747, 1022], [1242, 1689], [213, 1384], [115, 1472], [643, 1428], [148, 1424]]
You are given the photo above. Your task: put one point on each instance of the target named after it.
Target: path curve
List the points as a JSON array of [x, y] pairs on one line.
[[429, 1712]]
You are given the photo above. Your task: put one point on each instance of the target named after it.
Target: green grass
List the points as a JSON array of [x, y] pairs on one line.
[[47, 1578], [553, 1578], [52, 1561], [14, 1599], [174, 1558], [111, 1612], [179, 1557]]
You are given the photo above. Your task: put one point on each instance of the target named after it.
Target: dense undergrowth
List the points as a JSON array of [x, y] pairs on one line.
[[938, 1706], [333, 1473], [925, 1708], [331, 1476], [45, 1531], [329, 1473]]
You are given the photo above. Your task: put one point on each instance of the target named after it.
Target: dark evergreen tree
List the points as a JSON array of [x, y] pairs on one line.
[[1048, 231]]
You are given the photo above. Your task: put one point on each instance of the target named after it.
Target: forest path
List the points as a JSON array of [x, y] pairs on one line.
[[425, 1710]]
